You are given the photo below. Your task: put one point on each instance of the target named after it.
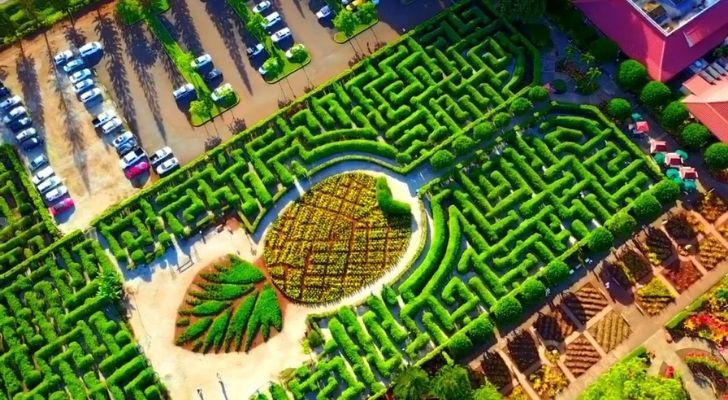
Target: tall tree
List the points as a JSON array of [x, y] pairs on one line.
[[345, 21], [30, 10], [629, 380], [8, 28], [521, 10], [411, 383], [452, 382]]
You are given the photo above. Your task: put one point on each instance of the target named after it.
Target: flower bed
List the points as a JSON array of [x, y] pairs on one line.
[[585, 303], [548, 381], [711, 252], [495, 370], [554, 326], [681, 274], [711, 206], [682, 227], [610, 331], [657, 245], [523, 350], [654, 297], [634, 267], [580, 356], [706, 366]]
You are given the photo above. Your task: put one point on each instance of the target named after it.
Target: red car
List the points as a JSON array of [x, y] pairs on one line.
[[61, 206], [137, 170]]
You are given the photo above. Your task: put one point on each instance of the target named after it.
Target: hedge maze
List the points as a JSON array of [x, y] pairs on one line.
[[26, 227], [396, 107], [61, 334]]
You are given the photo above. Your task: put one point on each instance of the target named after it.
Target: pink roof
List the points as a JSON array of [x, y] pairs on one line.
[[688, 173], [642, 127], [709, 104], [664, 55], [673, 159], [657, 146]]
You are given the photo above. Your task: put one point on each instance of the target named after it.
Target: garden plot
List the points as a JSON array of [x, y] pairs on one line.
[[580, 355], [610, 331], [554, 326], [585, 303], [681, 274]]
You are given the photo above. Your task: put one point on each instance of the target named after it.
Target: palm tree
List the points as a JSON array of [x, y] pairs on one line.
[[63, 5], [452, 382], [411, 383], [30, 10]]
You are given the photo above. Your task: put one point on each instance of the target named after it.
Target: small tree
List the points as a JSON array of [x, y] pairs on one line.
[[655, 94], [483, 130], [459, 345], [520, 106], [619, 108], [345, 21], [130, 11], [273, 67], [538, 93], [501, 119], [507, 309], [411, 383], [521, 10], [487, 392], [452, 382], [716, 156], [631, 75], [556, 272], [646, 207], [298, 53], [666, 191], [255, 25], [462, 145], [695, 136], [367, 12], [674, 115], [532, 291], [621, 224], [442, 159], [200, 108], [603, 50], [600, 239]]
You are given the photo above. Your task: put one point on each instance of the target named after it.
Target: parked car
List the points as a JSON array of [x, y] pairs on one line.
[[60, 207], [254, 50], [212, 76], [167, 166], [289, 52], [126, 147], [160, 155], [89, 49], [42, 175], [280, 35], [19, 124], [111, 125], [38, 162], [201, 62], [90, 97], [4, 91], [123, 138], [81, 75], [56, 194], [31, 143], [82, 86], [136, 170], [26, 134], [73, 65], [324, 12], [184, 92], [10, 103], [132, 158], [14, 114], [262, 6], [103, 118], [271, 19], [48, 184], [220, 92], [62, 57]]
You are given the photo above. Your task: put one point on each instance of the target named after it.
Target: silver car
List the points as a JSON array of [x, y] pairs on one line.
[[42, 175], [56, 194], [49, 184]]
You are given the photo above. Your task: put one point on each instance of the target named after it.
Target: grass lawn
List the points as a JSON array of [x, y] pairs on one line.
[[289, 67]]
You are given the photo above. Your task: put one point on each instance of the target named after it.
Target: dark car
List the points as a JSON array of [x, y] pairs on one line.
[[3, 91], [213, 76], [126, 147], [20, 124], [31, 143]]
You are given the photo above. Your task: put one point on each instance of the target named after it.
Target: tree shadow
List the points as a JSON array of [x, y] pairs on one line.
[[188, 34], [111, 40], [227, 22], [74, 36], [28, 77], [73, 123]]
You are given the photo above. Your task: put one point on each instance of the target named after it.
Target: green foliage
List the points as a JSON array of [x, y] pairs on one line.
[[559, 85], [520, 106], [459, 345], [631, 75], [604, 50], [507, 310], [621, 224], [520, 10], [387, 202], [501, 119], [716, 156], [666, 191], [130, 11], [538, 34], [600, 239], [619, 108], [538, 93], [481, 329], [109, 287], [463, 145], [200, 108], [411, 383], [675, 115], [298, 53], [556, 272], [273, 66], [314, 338], [367, 13], [487, 392], [442, 159], [345, 21], [655, 94], [532, 291], [695, 136], [646, 207], [484, 130], [452, 382], [629, 379]]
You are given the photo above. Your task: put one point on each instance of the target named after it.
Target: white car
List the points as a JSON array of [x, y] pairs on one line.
[[167, 166], [200, 61], [103, 118], [89, 48], [14, 114], [132, 158], [160, 155], [111, 125], [38, 162], [183, 91], [73, 65], [56, 194], [82, 86], [81, 75], [121, 139], [262, 6], [271, 19], [62, 57], [42, 175], [289, 52], [10, 102], [254, 50], [49, 184], [26, 134], [280, 35], [218, 93], [323, 12], [90, 95]]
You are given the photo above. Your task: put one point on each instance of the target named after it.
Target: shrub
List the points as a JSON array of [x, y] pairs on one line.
[[603, 50], [298, 53], [559, 85], [387, 202], [520, 106], [459, 345], [631, 75], [481, 329], [666, 191], [538, 93], [619, 108], [695, 136], [556, 272], [501, 119], [129, 11], [539, 35], [507, 309], [532, 291], [716, 156], [462, 145], [483, 130], [655, 94], [646, 207], [674, 115], [273, 67], [314, 338], [600, 239], [442, 159], [621, 224]]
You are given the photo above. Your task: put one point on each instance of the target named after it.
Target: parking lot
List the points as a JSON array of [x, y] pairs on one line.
[[139, 79]]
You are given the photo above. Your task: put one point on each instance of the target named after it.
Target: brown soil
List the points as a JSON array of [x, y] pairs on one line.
[[580, 356], [585, 302]]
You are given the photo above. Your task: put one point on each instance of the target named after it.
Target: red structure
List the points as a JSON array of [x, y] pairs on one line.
[[709, 104], [664, 53]]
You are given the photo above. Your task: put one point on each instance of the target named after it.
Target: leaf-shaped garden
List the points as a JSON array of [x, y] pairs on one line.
[[227, 305]]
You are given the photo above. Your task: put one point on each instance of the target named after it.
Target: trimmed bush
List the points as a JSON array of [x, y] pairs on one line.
[[556, 272], [631, 75], [484, 130], [655, 94], [507, 310], [695, 136], [604, 50], [621, 224], [646, 207], [501, 119], [481, 329], [520, 106], [459, 345], [716, 156], [442, 159], [619, 108], [462, 145], [674, 115], [387, 202], [666, 191], [559, 85], [538, 93], [532, 291], [600, 239]]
